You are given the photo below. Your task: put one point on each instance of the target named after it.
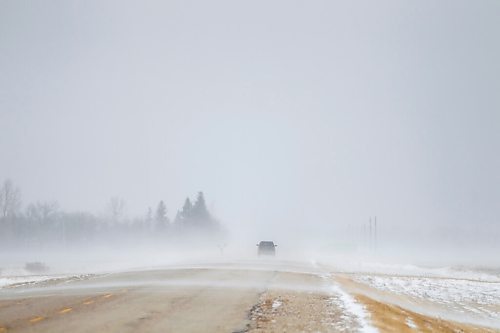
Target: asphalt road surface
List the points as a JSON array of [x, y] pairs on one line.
[[218, 298]]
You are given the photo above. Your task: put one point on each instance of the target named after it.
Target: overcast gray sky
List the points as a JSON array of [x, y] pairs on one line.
[[284, 113]]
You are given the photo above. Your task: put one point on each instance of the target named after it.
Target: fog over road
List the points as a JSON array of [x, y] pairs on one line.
[[172, 300], [250, 296], [139, 301], [215, 299]]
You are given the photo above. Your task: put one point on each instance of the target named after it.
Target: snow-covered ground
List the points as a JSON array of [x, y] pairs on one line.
[[16, 277], [27, 279], [459, 293], [354, 315], [479, 298]]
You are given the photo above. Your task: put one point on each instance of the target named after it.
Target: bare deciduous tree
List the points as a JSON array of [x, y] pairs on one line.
[[10, 199], [116, 208], [42, 210]]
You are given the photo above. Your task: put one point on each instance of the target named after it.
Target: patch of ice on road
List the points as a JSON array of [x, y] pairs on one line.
[[354, 317], [276, 303], [410, 323]]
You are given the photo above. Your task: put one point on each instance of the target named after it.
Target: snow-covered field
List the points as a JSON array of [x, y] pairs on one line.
[[476, 298], [353, 266]]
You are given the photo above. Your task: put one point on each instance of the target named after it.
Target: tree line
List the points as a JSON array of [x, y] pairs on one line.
[[45, 225]]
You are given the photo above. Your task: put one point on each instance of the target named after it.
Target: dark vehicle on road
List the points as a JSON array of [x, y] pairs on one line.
[[266, 248]]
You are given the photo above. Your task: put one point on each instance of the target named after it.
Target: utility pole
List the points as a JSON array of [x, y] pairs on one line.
[[370, 233]]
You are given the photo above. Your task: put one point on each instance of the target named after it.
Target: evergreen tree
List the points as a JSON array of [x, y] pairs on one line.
[[195, 217], [161, 216], [200, 211], [186, 209], [178, 217], [148, 222]]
